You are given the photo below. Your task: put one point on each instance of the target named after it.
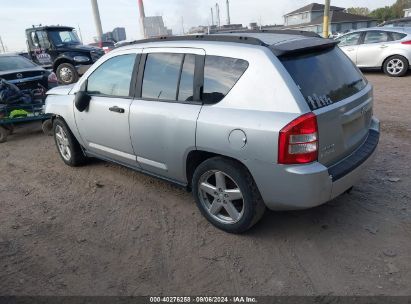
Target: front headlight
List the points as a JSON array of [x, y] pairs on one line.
[[81, 59]]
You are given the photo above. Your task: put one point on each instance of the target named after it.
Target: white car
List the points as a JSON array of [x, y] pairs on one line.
[[388, 49]]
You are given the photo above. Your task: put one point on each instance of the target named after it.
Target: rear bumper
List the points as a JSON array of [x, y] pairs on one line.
[[307, 186]]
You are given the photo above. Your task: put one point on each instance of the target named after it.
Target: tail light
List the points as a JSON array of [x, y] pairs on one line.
[[406, 42], [298, 141]]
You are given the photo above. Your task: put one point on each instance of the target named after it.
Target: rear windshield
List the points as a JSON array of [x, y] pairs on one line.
[[324, 77], [8, 63]]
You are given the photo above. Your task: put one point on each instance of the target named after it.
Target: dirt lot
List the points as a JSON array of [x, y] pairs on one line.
[[106, 230]]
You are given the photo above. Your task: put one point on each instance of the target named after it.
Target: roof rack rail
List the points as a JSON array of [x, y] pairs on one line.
[[218, 38], [284, 32]]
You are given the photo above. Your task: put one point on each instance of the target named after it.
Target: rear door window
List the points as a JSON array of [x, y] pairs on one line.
[[186, 88], [220, 76], [324, 77], [161, 76], [376, 37]]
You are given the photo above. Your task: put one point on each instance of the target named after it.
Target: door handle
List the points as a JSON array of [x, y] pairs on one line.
[[350, 50], [117, 110], [383, 46]]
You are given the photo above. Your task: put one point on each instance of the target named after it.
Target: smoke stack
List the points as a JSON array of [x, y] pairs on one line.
[[141, 8], [212, 17], [142, 16], [228, 12], [217, 7], [97, 20]]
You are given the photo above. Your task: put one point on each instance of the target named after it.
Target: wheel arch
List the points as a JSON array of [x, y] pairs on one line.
[[392, 55], [60, 61], [196, 157]]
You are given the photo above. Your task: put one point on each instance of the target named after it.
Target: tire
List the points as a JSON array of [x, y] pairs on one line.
[[47, 127], [213, 197], [396, 66], [10, 129], [4, 133], [67, 145], [67, 73]]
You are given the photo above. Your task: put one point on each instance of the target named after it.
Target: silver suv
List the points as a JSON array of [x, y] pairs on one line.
[[246, 120]]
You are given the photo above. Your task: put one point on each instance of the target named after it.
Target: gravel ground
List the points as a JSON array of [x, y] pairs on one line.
[[106, 230]]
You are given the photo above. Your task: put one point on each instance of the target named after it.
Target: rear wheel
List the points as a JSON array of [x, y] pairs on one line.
[[396, 66], [67, 73], [226, 195], [67, 145]]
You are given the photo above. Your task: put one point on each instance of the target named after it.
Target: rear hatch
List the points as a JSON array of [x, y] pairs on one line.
[[339, 95], [26, 79]]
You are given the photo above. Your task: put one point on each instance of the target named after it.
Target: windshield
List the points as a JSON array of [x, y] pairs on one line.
[[324, 77], [8, 63], [65, 37]]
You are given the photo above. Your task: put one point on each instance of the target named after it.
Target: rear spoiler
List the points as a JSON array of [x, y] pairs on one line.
[[302, 46]]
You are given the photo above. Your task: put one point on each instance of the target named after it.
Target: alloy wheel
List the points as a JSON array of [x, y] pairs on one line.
[[395, 66], [66, 75], [63, 143], [221, 197]]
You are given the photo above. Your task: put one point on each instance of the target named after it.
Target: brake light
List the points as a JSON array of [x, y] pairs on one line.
[[298, 141], [406, 42]]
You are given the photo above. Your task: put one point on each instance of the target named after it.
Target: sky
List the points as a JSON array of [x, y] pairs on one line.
[[16, 16]]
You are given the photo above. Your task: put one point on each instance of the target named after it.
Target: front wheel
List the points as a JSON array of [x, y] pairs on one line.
[[396, 66], [226, 195], [67, 145], [67, 73]]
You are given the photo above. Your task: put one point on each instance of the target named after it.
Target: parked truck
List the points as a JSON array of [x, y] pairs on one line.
[[59, 48]]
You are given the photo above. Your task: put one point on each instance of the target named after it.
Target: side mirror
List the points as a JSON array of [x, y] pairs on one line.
[[82, 101]]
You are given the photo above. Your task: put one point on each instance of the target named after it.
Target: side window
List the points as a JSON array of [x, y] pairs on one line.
[[220, 76], [350, 39], [113, 77], [397, 36], [43, 39], [186, 90], [34, 39], [376, 37], [161, 76]]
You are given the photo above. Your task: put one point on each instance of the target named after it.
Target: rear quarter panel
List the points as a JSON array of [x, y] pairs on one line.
[[263, 101]]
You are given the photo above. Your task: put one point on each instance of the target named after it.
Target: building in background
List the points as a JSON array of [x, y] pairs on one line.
[[107, 36], [119, 34], [407, 12], [310, 18], [154, 27]]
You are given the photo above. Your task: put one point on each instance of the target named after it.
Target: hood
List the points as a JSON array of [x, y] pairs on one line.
[[80, 48], [61, 90]]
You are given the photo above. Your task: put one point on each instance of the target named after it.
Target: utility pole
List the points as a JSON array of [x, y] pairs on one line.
[[97, 20], [2, 45], [326, 23]]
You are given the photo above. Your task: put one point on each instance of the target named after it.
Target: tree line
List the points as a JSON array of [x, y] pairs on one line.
[[394, 11]]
